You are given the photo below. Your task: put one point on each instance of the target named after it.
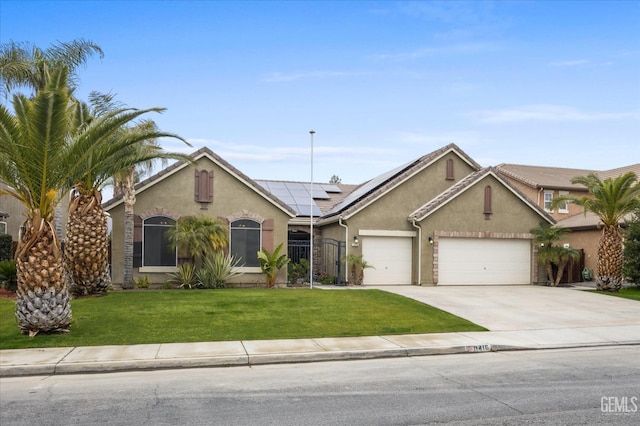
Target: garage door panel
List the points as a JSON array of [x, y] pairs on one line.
[[464, 261], [390, 258]]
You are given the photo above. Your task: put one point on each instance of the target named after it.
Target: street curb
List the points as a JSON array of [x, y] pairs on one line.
[[64, 368]]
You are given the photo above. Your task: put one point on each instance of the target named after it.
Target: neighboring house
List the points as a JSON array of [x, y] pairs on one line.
[[11, 214], [543, 184], [439, 220], [208, 186]]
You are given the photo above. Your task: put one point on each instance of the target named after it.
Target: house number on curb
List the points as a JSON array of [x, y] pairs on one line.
[[478, 348]]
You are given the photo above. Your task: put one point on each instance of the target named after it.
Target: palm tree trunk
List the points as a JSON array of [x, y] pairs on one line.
[[87, 246], [549, 268], [561, 267], [129, 199], [42, 297], [610, 260]]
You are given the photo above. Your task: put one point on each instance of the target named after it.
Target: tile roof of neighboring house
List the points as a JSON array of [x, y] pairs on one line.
[[466, 183], [376, 187], [557, 177], [586, 221], [203, 152]]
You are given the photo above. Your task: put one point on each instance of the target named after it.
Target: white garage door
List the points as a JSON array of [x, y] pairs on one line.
[[464, 261], [390, 258]]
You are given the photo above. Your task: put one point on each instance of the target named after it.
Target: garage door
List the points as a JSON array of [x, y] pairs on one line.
[[463, 261], [390, 258]]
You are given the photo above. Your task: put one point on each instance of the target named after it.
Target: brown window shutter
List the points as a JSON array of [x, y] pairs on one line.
[[137, 241], [487, 201], [267, 234], [450, 175], [197, 185], [210, 195]]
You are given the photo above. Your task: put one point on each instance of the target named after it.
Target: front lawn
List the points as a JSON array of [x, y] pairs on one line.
[[168, 316], [632, 293]]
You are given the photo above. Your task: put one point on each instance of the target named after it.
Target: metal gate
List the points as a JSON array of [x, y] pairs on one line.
[[331, 262], [298, 249]]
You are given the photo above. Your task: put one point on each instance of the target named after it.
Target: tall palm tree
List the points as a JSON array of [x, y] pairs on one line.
[[124, 181], [26, 65], [610, 199], [87, 246]]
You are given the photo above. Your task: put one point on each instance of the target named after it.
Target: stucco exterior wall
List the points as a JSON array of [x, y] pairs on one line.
[[511, 218], [588, 241], [174, 195]]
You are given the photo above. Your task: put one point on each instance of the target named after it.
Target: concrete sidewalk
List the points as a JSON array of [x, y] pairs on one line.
[[566, 329]]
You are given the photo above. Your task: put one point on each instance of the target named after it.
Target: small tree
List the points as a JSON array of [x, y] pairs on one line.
[[631, 252], [546, 236], [357, 266], [271, 263], [200, 236], [335, 179]]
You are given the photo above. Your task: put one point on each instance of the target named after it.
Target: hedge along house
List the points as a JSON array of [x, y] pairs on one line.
[[209, 186], [439, 220]]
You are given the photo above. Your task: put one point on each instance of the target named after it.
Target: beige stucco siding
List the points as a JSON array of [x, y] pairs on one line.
[[174, 196], [464, 215]]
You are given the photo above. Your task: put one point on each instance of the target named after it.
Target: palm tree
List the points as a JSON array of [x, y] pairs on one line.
[[199, 236], [546, 236], [37, 163], [358, 265], [610, 200], [26, 65], [87, 246], [124, 184]]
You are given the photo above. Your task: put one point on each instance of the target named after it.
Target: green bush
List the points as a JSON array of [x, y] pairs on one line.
[[6, 245], [141, 282], [9, 275], [297, 271], [631, 252]]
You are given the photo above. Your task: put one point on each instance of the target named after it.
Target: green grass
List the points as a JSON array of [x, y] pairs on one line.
[[168, 316], [632, 293]]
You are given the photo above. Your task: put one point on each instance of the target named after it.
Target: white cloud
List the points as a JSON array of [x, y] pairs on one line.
[[546, 112], [278, 77], [466, 48], [570, 63]]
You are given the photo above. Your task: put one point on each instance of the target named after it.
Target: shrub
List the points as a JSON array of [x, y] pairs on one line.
[[184, 277], [9, 275], [6, 245], [631, 252], [141, 282], [217, 269], [296, 271]]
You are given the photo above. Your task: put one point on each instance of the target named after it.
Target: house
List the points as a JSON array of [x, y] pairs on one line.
[[439, 220], [542, 184], [209, 186]]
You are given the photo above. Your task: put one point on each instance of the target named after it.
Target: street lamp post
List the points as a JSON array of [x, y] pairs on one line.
[[311, 132]]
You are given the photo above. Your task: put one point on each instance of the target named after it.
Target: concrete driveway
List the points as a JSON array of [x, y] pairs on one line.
[[526, 307]]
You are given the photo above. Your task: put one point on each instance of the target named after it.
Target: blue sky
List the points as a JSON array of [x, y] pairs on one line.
[[530, 82]]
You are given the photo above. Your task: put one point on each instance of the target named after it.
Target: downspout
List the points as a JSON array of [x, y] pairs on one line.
[[346, 249], [413, 222]]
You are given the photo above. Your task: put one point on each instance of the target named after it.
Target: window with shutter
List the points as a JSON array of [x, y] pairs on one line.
[[203, 188]]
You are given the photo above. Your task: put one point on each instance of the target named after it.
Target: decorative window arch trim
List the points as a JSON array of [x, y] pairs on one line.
[[159, 211], [245, 214]]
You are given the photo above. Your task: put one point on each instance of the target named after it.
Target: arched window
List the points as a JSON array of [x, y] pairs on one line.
[[487, 202], [156, 250], [245, 241]]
